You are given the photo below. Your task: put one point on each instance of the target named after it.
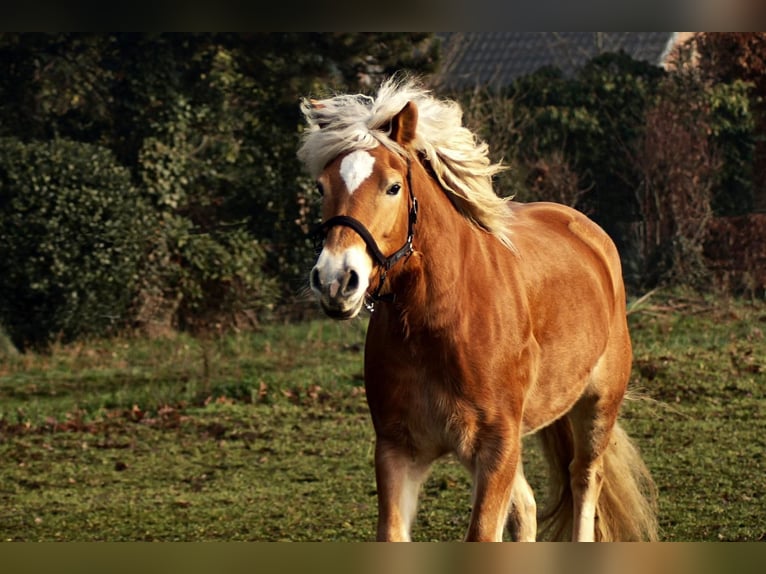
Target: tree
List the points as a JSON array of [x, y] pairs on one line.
[[645, 152], [732, 56], [206, 127]]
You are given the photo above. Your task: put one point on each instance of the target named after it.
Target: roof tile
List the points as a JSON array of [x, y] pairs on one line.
[[498, 58]]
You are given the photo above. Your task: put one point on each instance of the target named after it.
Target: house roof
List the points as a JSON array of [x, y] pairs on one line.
[[498, 58]]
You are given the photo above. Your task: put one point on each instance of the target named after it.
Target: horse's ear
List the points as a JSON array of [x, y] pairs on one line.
[[404, 123], [312, 106]]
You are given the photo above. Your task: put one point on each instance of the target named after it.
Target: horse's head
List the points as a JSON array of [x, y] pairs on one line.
[[368, 210]]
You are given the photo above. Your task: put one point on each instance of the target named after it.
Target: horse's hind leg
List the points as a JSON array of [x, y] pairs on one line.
[[592, 422], [523, 516]]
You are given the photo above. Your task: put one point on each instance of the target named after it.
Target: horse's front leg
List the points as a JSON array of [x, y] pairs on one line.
[[494, 472], [523, 513], [399, 476]]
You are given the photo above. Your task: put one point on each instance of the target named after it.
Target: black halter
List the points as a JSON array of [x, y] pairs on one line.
[[386, 263]]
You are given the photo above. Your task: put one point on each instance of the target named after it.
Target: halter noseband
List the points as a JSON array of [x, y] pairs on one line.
[[386, 263]]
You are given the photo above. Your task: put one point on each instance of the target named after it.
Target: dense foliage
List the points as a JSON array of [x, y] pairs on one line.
[[648, 154], [72, 230], [732, 57], [150, 180], [201, 130]]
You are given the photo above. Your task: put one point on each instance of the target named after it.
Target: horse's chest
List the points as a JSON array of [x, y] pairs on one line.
[[427, 395], [426, 413]]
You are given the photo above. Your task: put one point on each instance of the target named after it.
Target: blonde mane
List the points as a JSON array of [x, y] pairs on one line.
[[459, 161]]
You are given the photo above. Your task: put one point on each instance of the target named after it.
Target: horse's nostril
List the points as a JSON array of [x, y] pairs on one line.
[[352, 281], [314, 279]]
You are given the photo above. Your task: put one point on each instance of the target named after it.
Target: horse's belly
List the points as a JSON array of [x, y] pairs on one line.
[[557, 386], [539, 412]]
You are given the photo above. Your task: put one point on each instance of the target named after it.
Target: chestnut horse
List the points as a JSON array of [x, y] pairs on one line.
[[492, 320]]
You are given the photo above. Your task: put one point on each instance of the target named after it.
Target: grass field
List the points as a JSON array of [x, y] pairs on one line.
[[265, 436]]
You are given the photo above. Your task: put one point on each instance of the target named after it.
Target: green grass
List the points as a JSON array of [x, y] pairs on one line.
[[704, 362], [265, 436]]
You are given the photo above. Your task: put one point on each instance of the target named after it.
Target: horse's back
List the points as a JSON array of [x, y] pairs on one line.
[[561, 243]]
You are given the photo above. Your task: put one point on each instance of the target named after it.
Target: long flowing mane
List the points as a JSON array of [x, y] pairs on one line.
[[457, 158]]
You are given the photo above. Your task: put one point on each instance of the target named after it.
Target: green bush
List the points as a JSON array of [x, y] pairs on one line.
[[205, 268], [617, 133], [72, 229], [200, 281], [733, 134]]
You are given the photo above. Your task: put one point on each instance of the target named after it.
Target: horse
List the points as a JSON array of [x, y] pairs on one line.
[[490, 320]]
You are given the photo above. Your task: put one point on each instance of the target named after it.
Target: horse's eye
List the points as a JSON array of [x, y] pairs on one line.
[[320, 189], [394, 189]]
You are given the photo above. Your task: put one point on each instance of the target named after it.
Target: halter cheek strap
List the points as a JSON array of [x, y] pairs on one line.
[[385, 262]]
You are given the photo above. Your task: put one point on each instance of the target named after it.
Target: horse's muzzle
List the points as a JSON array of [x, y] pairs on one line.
[[340, 281]]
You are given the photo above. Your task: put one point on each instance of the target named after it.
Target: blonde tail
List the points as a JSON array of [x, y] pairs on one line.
[[627, 506]]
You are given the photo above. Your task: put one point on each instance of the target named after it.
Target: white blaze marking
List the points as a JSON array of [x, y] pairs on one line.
[[355, 168]]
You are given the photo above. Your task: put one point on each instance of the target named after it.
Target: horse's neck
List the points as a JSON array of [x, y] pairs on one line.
[[429, 286]]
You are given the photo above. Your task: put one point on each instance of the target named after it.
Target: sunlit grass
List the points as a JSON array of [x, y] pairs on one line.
[[266, 436]]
